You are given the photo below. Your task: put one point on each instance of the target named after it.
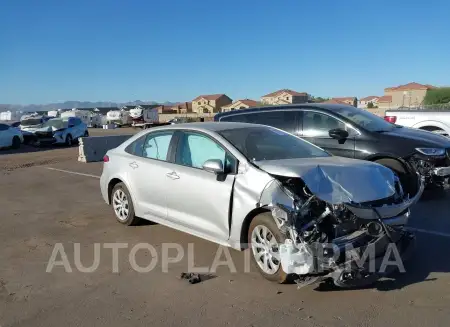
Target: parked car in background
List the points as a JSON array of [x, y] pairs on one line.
[[356, 133], [437, 121], [10, 136], [64, 130], [261, 186], [31, 122]]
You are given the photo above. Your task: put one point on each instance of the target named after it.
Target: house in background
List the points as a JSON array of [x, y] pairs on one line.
[[240, 104], [351, 101], [409, 95], [210, 103], [182, 107], [164, 109], [384, 102], [364, 102], [285, 96]]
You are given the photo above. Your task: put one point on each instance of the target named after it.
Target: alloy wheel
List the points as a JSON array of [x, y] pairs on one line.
[[265, 249], [120, 204]]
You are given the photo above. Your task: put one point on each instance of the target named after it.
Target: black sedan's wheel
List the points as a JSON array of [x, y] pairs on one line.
[[16, 142], [69, 140]]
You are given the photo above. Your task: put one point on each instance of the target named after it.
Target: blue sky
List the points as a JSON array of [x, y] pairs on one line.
[[110, 50]]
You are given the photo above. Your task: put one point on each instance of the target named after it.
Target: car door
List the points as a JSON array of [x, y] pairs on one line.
[[147, 168], [316, 127], [200, 200]]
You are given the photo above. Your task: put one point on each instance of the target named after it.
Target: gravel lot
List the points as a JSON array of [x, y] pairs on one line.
[[44, 205]]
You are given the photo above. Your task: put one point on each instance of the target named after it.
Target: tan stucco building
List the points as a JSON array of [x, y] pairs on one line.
[[210, 103], [285, 96], [408, 95], [182, 107], [364, 102], [240, 104]]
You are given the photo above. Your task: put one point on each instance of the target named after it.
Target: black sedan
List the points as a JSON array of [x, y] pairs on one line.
[[356, 133]]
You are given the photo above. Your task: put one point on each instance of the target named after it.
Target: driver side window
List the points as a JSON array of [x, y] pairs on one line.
[[195, 149], [316, 124]]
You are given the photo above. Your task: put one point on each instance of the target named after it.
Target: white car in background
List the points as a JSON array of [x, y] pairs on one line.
[[63, 130], [10, 137]]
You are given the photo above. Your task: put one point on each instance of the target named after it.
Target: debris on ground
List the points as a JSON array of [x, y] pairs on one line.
[[194, 278], [191, 277]]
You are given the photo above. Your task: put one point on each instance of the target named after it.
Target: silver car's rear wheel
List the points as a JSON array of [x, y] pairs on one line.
[[121, 205], [265, 250]]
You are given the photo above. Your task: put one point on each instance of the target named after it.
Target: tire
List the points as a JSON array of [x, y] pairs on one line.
[[124, 212], [86, 133], [407, 179], [69, 140], [16, 142], [259, 224]]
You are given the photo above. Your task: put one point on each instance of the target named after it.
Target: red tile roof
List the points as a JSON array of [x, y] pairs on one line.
[[369, 98], [410, 86], [385, 98], [250, 103], [274, 94], [209, 97], [335, 101], [344, 99]]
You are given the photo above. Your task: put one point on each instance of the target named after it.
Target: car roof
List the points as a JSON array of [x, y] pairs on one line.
[[208, 126], [324, 106]]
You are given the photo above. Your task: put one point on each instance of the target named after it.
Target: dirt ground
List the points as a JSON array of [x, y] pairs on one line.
[[44, 203]]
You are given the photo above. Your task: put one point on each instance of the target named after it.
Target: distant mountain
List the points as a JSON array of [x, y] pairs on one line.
[[73, 104]]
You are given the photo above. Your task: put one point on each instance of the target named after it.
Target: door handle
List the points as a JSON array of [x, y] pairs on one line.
[[173, 175], [134, 165]]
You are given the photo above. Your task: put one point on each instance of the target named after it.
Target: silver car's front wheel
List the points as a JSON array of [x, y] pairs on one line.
[[264, 237], [121, 205], [265, 249]]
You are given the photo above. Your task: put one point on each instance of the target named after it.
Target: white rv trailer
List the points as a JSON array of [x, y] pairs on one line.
[[10, 115], [118, 117], [84, 115]]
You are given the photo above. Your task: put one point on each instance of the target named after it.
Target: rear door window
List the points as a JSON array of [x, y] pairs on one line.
[[136, 147], [156, 145]]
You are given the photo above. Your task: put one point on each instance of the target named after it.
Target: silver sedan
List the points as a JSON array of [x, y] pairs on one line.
[[240, 184]]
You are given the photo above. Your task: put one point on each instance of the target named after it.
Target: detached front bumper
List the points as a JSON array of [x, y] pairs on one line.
[[386, 256]]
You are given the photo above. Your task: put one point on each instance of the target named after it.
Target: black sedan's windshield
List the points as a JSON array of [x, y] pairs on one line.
[[266, 143], [365, 119]]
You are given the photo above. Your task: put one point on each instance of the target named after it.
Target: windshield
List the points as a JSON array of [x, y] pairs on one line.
[[267, 143], [31, 121], [56, 123], [365, 119]]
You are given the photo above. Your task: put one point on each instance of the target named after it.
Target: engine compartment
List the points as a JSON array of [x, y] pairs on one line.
[[319, 234]]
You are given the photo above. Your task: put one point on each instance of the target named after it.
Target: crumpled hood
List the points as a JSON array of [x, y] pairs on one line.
[[47, 129], [336, 179]]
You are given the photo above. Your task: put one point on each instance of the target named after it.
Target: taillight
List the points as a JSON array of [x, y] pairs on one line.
[[105, 158], [390, 119]]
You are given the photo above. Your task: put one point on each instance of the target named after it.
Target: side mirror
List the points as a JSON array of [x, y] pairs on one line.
[[71, 125], [213, 166], [338, 133]]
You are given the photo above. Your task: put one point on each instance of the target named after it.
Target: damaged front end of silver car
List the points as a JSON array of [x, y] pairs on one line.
[[331, 220]]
